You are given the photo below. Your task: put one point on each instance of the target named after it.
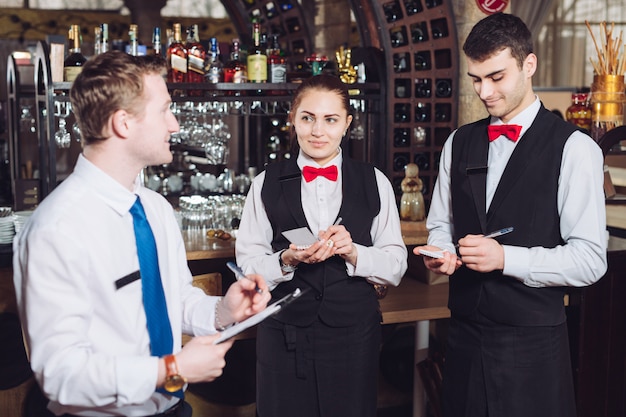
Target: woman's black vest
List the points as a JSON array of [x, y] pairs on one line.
[[338, 300]]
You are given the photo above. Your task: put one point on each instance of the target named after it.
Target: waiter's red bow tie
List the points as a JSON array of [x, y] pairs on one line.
[[510, 131], [310, 173]]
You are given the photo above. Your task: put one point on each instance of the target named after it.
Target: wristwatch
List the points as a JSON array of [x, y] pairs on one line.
[[286, 268], [173, 380]]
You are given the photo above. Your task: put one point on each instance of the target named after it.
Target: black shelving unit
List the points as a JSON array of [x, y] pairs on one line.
[[256, 103]]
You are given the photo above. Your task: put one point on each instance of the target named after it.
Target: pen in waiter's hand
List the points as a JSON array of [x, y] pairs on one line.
[[239, 274], [338, 221], [495, 234]]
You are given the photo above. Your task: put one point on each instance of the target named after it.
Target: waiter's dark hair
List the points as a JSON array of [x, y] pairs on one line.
[[495, 33]]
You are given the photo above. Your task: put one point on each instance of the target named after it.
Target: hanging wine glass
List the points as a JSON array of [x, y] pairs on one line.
[[75, 127], [62, 136], [357, 132]]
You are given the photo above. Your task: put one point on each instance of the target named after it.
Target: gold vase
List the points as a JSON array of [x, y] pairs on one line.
[[607, 104]]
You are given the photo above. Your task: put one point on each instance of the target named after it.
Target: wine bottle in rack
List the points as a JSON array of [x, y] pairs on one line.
[[257, 59], [133, 45], [104, 37], [235, 70], [97, 42], [73, 64], [215, 70], [276, 61], [196, 56], [157, 47], [176, 57]]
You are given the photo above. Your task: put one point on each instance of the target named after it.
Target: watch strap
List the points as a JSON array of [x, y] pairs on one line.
[[283, 266], [174, 382]]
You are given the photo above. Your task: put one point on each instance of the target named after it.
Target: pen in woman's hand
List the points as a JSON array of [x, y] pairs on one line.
[[239, 274]]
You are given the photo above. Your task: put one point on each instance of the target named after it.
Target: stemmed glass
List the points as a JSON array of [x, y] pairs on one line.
[[62, 136], [358, 130], [75, 127]]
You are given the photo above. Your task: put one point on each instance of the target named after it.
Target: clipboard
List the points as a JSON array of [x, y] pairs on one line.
[[259, 317]]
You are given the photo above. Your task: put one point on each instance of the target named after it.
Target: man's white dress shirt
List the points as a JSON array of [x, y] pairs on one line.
[[89, 345]]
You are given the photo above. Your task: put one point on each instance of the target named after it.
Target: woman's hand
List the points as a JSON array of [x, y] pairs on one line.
[[336, 240]]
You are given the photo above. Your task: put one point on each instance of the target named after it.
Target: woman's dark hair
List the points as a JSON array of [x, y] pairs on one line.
[[496, 33]]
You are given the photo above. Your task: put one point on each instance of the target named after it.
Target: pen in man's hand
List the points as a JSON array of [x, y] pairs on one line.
[[495, 234], [499, 232], [239, 274]]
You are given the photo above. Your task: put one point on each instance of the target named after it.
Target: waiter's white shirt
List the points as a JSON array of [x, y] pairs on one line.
[[582, 259], [385, 262], [89, 345]]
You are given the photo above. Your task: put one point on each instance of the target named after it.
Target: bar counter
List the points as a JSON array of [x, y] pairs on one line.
[[200, 247]]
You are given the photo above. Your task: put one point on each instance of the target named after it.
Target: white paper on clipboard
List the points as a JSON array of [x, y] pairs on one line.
[[257, 318]]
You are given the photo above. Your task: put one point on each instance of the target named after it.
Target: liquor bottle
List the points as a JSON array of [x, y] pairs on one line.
[[169, 37], [156, 41], [276, 61], [257, 60], [215, 70], [579, 112], [177, 58], [75, 60], [235, 71], [97, 43], [196, 55], [133, 35], [104, 37]]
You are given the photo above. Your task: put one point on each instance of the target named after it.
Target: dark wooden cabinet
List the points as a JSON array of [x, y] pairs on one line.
[[598, 324]]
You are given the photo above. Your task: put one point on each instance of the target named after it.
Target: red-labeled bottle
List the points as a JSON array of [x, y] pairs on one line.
[[579, 112], [177, 58]]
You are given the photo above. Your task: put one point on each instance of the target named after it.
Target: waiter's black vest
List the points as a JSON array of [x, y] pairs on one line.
[[338, 300], [526, 198]]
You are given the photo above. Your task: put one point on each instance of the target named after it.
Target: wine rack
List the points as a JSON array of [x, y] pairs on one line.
[[420, 52], [283, 17], [414, 107], [419, 41]]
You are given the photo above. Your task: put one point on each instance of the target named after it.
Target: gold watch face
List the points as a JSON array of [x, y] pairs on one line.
[[174, 383]]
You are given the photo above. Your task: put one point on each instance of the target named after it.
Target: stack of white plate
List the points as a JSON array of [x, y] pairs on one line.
[[7, 228], [20, 218]]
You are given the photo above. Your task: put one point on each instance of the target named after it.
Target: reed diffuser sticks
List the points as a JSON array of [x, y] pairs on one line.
[[609, 62]]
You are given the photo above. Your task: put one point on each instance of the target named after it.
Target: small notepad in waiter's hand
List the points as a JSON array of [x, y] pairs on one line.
[[257, 318], [431, 254], [301, 237]]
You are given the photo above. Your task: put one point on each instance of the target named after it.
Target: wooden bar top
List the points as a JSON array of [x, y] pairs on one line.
[[199, 246]]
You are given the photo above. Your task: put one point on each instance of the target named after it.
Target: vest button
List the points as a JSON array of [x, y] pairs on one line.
[[318, 296]]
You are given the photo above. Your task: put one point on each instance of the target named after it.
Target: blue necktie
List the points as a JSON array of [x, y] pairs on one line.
[[159, 328]]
